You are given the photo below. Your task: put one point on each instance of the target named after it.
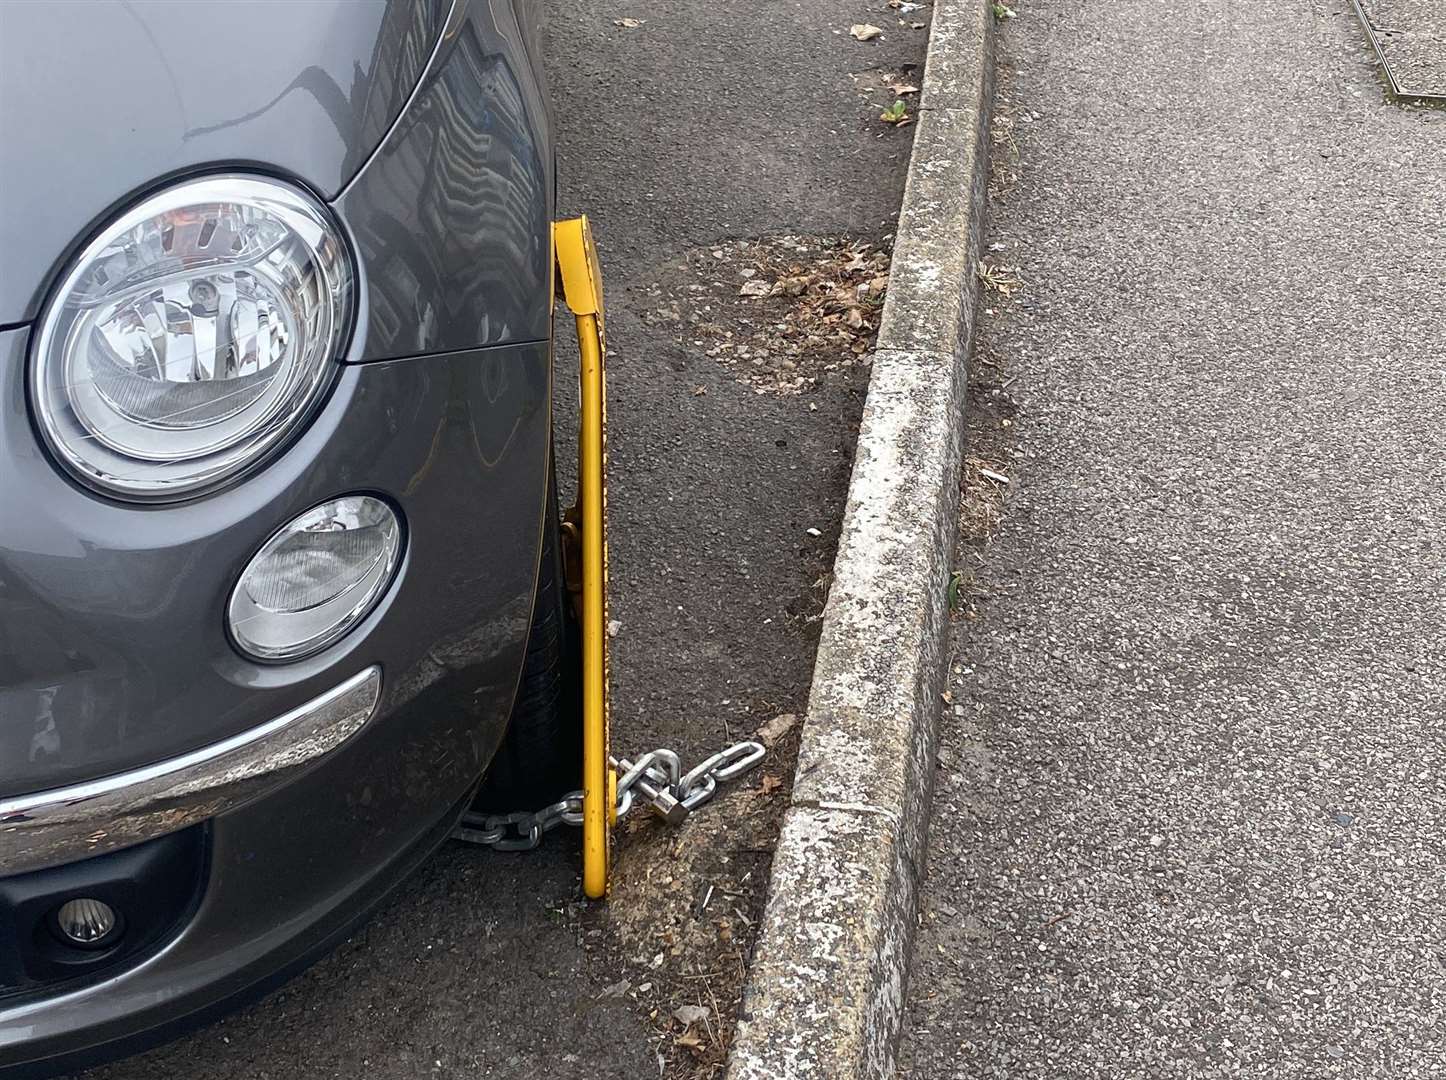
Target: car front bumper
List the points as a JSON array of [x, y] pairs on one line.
[[286, 875], [49, 828]]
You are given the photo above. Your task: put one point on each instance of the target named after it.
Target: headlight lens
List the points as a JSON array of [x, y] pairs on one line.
[[192, 335], [312, 581]]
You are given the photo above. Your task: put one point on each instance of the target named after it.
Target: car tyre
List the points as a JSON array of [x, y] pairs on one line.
[[540, 758]]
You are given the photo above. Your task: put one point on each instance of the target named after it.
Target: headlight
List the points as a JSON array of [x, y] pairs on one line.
[[191, 336], [312, 581]]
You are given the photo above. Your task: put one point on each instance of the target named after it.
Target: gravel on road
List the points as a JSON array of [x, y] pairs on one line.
[[1190, 810]]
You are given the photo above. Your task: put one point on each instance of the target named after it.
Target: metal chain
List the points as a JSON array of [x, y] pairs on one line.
[[655, 780]]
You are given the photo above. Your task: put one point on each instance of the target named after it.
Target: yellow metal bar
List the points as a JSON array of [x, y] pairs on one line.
[[582, 291], [595, 810]]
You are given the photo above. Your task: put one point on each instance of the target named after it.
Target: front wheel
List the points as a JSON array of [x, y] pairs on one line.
[[540, 758]]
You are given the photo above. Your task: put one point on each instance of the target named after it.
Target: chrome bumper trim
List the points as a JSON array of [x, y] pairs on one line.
[[50, 827]]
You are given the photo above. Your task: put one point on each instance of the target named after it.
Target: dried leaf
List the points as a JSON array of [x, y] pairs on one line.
[[865, 31], [779, 726], [691, 1039], [688, 1015]]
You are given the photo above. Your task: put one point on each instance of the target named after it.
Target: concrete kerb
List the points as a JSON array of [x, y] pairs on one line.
[[825, 993]]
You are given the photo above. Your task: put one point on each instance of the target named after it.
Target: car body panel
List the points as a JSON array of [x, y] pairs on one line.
[[112, 616], [101, 100], [452, 216]]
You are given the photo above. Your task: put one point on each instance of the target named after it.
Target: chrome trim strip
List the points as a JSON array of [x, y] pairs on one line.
[[50, 827]]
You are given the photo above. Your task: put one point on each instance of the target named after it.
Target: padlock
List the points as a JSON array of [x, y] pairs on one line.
[[662, 802]]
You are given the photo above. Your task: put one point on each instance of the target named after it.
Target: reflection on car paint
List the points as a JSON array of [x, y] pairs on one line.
[[451, 216]]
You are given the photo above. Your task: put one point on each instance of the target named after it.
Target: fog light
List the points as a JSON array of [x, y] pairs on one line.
[[86, 923], [315, 578]]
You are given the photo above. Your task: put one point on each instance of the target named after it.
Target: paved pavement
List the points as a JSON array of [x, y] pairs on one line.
[[705, 123], [1191, 803]]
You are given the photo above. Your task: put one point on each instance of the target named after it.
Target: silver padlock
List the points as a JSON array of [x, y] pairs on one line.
[[662, 802], [651, 785]]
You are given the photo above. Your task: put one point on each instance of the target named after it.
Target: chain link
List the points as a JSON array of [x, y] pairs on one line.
[[655, 780]]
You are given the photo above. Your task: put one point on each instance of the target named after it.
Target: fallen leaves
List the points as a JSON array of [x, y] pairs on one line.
[[771, 732], [811, 305], [982, 501], [1004, 280], [865, 31], [688, 1015]]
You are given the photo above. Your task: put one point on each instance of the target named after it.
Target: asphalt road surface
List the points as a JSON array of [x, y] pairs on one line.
[[1191, 805], [706, 124]]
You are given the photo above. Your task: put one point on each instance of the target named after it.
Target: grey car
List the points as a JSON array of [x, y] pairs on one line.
[[280, 586]]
